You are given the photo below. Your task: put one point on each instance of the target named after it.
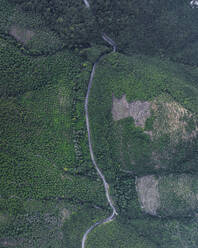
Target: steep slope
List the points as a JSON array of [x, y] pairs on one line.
[[156, 106], [144, 125], [46, 175]]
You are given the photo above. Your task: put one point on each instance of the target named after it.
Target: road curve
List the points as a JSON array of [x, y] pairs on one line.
[[110, 41], [106, 186], [86, 4]]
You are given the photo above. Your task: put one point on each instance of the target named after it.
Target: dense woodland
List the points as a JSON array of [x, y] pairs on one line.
[[149, 26], [50, 192]]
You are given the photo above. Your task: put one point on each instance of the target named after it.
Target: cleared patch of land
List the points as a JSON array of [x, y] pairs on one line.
[[147, 188], [21, 34], [139, 110]]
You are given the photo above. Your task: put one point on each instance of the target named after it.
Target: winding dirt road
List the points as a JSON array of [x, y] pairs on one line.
[[106, 186]]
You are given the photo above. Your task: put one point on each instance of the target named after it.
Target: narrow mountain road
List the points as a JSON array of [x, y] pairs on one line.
[[106, 186], [86, 4]]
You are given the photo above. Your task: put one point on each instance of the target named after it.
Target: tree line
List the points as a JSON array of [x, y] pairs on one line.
[[148, 26]]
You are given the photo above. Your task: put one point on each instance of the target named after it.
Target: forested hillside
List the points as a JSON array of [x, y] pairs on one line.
[[148, 26], [143, 119]]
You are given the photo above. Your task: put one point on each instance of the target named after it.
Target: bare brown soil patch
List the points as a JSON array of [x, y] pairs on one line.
[[148, 195], [160, 196], [139, 110], [21, 34]]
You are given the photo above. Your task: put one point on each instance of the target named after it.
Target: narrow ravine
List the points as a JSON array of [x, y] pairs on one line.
[[106, 186]]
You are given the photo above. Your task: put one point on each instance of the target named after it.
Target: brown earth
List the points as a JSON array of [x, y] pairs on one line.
[[21, 34], [139, 110], [147, 189]]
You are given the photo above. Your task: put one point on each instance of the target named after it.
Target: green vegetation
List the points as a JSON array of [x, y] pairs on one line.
[[20, 73], [33, 36], [78, 223], [145, 79], [45, 159], [44, 153], [168, 233], [178, 195], [5, 12], [148, 27], [123, 150], [125, 196], [69, 22], [50, 192], [116, 235]]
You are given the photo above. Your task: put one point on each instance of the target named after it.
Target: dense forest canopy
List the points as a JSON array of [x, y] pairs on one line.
[[143, 122], [148, 26]]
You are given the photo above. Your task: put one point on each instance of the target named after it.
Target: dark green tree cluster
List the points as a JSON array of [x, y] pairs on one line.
[[147, 26], [69, 19]]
